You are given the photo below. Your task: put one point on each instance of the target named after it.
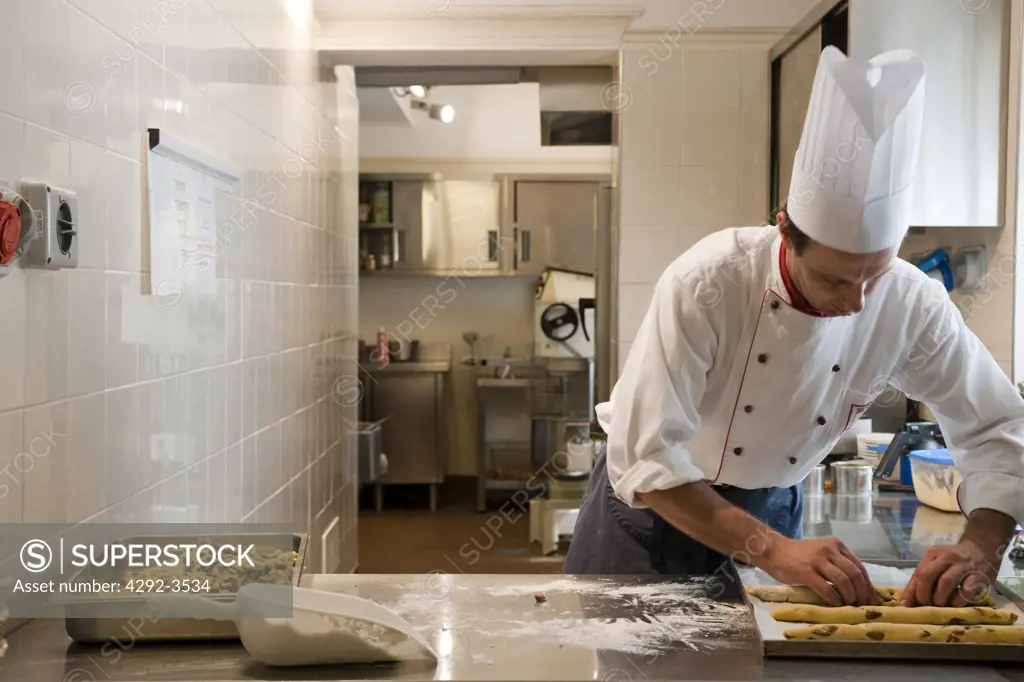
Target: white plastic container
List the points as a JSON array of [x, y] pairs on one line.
[[871, 447], [936, 479]]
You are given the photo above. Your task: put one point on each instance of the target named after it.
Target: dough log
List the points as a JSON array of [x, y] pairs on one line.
[[891, 632], [890, 596], [895, 594], [786, 595], [918, 615]]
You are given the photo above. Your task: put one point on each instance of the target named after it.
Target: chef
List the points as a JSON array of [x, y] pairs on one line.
[[762, 345]]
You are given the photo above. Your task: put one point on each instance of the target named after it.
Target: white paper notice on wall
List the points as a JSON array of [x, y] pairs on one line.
[[183, 182]]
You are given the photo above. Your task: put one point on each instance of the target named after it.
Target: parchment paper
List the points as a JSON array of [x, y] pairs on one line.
[[881, 576]]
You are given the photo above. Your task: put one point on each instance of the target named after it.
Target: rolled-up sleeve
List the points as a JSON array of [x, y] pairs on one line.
[[653, 410], [979, 411]]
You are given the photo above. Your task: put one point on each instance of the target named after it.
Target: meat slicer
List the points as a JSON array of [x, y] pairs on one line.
[[913, 436]]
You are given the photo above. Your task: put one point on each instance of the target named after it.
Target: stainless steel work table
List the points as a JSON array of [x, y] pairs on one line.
[[490, 627]]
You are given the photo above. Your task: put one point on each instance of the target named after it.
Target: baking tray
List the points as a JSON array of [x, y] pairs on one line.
[[774, 645], [93, 630]]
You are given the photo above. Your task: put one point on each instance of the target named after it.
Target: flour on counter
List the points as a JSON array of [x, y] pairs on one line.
[[655, 617], [634, 636]]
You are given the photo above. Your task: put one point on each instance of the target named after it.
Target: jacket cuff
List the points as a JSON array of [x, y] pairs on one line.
[[993, 490], [664, 470]]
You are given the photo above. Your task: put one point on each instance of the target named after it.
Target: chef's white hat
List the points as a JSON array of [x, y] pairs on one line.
[[852, 185]]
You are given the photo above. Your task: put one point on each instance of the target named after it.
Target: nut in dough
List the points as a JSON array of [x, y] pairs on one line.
[[918, 615], [890, 596], [892, 632]]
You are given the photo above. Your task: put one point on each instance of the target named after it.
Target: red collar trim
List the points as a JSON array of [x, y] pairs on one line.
[[799, 302]]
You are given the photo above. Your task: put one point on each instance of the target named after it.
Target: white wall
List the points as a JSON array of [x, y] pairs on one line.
[[694, 156], [493, 123], [211, 410]]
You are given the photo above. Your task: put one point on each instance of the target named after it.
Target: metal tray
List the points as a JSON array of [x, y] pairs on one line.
[[933, 651], [93, 630]]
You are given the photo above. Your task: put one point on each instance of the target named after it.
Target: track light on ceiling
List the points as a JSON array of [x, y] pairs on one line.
[[414, 91], [445, 113]]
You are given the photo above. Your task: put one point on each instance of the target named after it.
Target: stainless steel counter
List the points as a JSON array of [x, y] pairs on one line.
[[419, 367], [491, 627]]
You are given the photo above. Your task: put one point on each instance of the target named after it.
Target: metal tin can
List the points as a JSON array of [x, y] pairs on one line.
[[814, 484], [853, 478]]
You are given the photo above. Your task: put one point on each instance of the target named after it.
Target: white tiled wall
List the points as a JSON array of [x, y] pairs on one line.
[[694, 156], [213, 409]]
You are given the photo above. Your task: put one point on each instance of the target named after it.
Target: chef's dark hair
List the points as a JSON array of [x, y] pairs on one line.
[[798, 239]]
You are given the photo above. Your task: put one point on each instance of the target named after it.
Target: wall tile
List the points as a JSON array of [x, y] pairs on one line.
[[87, 457], [712, 78], [13, 301], [164, 419], [46, 445], [650, 136], [709, 137], [47, 341], [650, 77], [14, 464], [88, 331], [649, 195], [649, 250], [709, 198], [634, 301]]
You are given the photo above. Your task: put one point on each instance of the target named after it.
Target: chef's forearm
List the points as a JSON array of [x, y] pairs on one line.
[[989, 529], [705, 516]]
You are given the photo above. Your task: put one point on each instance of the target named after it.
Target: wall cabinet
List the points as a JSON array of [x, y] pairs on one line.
[[486, 225], [555, 225]]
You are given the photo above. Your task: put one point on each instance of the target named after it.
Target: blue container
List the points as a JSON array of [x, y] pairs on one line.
[[936, 456]]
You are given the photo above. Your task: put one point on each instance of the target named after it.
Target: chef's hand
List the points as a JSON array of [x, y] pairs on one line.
[[818, 562], [953, 575], [956, 574]]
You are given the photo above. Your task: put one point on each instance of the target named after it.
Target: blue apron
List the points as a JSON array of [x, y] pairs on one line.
[[611, 538]]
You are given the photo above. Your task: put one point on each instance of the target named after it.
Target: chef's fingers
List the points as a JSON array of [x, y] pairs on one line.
[[928, 572], [972, 588], [857, 580], [871, 597], [823, 589], [946, 587], [910, 592], [842, 582]]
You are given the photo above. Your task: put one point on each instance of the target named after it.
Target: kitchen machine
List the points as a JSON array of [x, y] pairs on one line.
[[563, 404]]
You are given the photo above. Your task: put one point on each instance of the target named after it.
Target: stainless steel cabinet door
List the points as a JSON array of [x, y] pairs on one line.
[[556, 225], [409, 437], [407, 209], [461, 223]]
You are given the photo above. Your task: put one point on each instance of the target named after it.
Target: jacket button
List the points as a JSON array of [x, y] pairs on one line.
[[835, 368], [792, 460], [737, 451], [774, 305], [748, 408], [762, 358], [821, 421]]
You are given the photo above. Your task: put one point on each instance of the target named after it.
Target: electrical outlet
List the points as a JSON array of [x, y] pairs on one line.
[[56, 226]]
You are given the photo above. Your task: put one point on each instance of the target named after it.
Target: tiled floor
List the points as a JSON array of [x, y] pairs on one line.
[[407, 538]]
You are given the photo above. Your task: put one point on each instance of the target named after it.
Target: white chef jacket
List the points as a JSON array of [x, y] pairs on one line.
[[726, 382]]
